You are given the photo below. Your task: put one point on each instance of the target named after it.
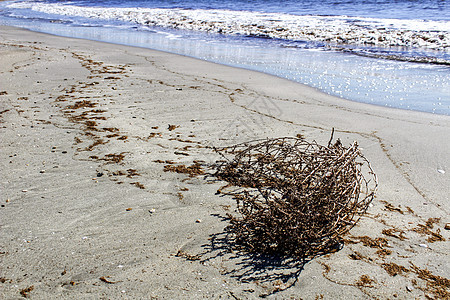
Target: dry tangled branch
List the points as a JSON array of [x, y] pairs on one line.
[[296, 198]]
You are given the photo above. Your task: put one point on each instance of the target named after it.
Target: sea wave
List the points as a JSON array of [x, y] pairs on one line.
[[337, 30]]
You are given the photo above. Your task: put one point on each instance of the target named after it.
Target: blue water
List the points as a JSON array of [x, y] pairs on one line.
[[390, 53], [397, 9]]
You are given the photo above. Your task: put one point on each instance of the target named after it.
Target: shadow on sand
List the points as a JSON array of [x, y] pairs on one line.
[[273, 274]]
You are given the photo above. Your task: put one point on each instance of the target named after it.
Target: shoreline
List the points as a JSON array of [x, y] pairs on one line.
[[86, 134], [387, 84]]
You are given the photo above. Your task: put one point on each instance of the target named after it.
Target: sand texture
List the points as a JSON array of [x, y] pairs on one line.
[[90, 210]]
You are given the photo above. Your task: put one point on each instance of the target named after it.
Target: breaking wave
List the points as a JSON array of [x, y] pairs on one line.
[[333, 30]]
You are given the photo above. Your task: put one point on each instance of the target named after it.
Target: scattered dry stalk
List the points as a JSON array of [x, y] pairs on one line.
[[296, 198]]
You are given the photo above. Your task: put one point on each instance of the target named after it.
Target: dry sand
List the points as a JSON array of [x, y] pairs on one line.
[[86, 212]]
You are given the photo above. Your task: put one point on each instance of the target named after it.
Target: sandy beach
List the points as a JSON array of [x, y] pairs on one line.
[[90, 210]]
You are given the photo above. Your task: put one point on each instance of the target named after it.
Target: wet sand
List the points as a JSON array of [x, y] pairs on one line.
[[87, 210]]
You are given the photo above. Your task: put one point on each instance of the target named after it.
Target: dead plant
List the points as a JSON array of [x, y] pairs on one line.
[[295, 197]]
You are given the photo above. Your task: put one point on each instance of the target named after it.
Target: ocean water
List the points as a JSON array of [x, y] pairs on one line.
[[393, 53]]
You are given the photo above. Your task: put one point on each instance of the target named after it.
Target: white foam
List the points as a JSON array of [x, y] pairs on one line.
[[332, 29]]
